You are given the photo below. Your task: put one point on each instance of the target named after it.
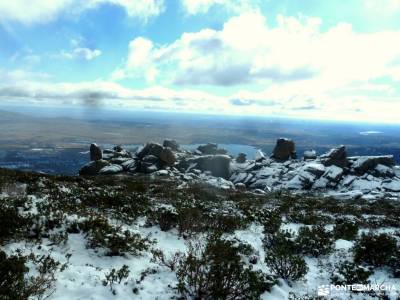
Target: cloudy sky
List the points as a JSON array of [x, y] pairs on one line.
[[331, 59]]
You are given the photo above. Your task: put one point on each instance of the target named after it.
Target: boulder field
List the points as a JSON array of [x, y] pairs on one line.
[[332, 174]]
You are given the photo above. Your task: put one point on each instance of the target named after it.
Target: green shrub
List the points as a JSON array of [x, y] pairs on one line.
[[100, 234], [12, 224], [394, 264], [271, 220], [314, 241], [168, 262], [216, 271], [165, 216], [347, 272], [116, 276], [345, 229], [15, 284], [375, 249], [281, 256]]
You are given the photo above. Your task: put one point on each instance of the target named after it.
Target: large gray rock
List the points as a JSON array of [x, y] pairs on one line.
[[171, 144], [284, 150], [152, 159], [111, 170], [383, 171], [364, 164], [93, 168], [150, 149], [164, 154], [130, 165], [95, 152], [218, 165], [167, 157], [310, 155], [336, 157], [209, 149]]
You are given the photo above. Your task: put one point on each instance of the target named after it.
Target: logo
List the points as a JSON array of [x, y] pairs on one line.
[[324, 290], [331, 289]]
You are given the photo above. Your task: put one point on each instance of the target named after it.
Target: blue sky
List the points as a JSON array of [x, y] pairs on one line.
[[331, 59]]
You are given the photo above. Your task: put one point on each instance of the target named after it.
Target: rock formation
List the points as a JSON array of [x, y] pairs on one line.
[[331, 174], [95, 152], [284, 150]]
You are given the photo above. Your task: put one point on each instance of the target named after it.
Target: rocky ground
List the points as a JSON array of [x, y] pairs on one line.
[[332, 174]]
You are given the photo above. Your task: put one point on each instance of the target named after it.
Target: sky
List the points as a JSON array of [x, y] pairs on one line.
[[313, 59]]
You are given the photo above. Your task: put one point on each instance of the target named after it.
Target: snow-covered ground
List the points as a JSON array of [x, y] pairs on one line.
[[87, 267]]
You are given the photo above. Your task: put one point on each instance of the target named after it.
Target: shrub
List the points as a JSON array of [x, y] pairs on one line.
[[15, 284], [12, 224], [286, 265], [281, 257], [170, 262], [165, 216], [394, 264], [117, 241], [345, 229], [376, 250], [190, 221], [282, 239], [216, 271], [116, 276], [347, 272], [314, 241], [271, 220]]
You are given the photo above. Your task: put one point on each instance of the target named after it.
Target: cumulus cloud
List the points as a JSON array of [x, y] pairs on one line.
[[41, 11], [79, 53], [293, 57]]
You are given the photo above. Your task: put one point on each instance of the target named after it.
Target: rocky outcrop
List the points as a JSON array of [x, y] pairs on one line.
[[364, 164], [172, 144], [163, 154], [217, 165], [93, 168], [284, 150], [211, 149], [331, 174], [95, 152], [336, 157]]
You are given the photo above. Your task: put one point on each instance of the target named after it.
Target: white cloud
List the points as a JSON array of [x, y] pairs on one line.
[[292, 100], [385, 7], [79, 53], [143, 9], [203, 6], [42, 11], [248, 51], [296, 67]]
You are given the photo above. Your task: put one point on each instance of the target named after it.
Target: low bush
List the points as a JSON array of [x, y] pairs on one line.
[[100, 234], [12, 224], [271, 220], [165, 216], [345, 229], [375, 249], [314, 241], [17, 284], [216, 271], [347, 272], [168, 262], [116, 276], [394, 264], [281, 256]]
